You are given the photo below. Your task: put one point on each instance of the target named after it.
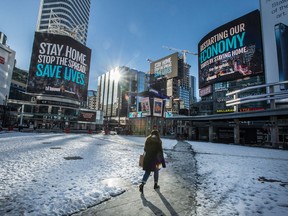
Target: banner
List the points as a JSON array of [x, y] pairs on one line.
[[232, 51], [165, 67], [274, 18], [59, 66], [157, 108], [145, 106], [87, 116]]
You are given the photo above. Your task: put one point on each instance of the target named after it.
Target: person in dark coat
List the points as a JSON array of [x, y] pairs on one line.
[[153, 159]]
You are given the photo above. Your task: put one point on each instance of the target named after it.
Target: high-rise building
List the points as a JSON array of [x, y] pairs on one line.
[[117, 93], [193, 98], [7, 63], [170, 77], [91, 99], [65, 17]]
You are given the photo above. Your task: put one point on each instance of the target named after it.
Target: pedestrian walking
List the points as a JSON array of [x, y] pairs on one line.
[[153, 159]]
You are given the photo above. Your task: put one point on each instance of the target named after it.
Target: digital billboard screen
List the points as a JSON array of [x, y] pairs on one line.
[[145, 106], [157, 107], [87, 116], [231, 51], [59, 66], [165, 67]]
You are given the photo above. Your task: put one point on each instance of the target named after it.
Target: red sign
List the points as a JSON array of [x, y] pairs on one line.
[[2, 60]]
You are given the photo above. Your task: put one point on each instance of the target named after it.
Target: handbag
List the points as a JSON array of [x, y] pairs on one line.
[[141, 159]]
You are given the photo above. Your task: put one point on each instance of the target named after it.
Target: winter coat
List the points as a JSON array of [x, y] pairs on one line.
[[153, 154]]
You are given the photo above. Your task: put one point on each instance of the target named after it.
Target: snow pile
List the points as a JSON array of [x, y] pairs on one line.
[[238, 180]]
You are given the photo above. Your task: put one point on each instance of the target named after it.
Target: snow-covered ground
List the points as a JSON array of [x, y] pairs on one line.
[[36, 179], [58, 174], [238, 180]]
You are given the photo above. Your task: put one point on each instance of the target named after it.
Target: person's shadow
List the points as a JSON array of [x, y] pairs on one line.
[[167, 204], [153, 208]]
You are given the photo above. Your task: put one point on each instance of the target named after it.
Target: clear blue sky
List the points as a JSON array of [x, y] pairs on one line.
[[127, 32]]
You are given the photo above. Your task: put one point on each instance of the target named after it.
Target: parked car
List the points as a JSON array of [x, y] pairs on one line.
[[113, 133]]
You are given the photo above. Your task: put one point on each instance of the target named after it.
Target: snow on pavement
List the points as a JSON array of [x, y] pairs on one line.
[[239, 180], [59, 174], [36, 179]]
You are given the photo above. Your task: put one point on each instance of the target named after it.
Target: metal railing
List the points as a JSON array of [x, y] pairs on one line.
[[271, 95]]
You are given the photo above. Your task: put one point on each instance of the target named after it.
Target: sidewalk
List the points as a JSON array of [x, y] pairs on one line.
[[176, 195]]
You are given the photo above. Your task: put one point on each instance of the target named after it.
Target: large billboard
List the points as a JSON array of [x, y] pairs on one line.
[[157, 107], [274, 18], [87, 116], [145, 106], [232, 51], [59, 66], [165, 67]]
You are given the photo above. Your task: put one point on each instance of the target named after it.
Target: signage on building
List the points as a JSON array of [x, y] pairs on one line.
[[274, 18], [205, 91], [135, 114], [87, 116], [157, 107], [2, 60], [165, 67], [224, 110], [145, 106], [248, 109], [168, 114], [57, 103], [59, 66], [231, 51]]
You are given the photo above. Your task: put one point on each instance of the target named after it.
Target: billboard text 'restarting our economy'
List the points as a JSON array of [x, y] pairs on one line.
[[232, 51]]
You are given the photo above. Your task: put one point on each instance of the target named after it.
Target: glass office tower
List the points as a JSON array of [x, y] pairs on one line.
[[66, 17]]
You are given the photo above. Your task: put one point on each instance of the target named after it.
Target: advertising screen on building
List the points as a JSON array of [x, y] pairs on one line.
[[87, 116], [135, 114], [274, 18], [231, 51], [59, 66], [165, 67], [145, 106], [205, 91], [157, 108]]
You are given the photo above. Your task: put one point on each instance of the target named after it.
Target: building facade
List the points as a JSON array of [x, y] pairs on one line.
[[60, 101], [117, 94], [7, 62], [193, 98], [66, 17], [170, 77], [91, 99]]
